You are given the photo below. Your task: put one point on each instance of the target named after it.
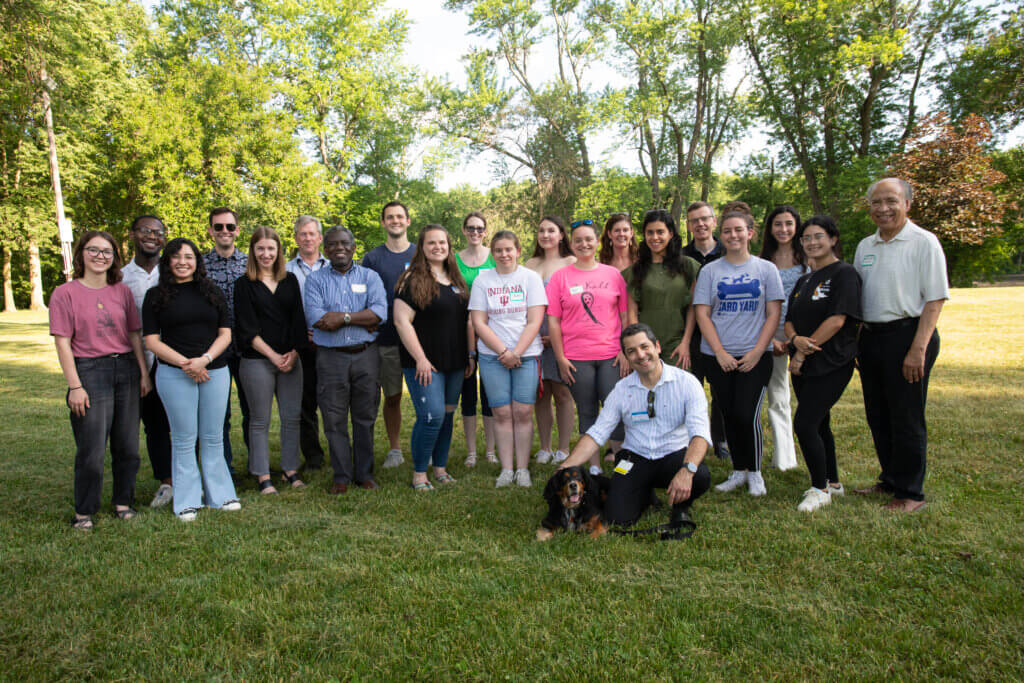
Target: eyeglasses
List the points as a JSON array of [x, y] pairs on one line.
[[650, 404], [96, 252], [707, 218], [475, 228], [150, 232], [230, 227], [817, 237], [576, 224]]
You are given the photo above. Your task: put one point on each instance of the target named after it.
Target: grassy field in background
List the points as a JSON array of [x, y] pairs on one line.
[[451, 585]]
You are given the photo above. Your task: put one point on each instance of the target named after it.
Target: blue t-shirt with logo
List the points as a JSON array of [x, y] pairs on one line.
[[737, 295], [390, 266]]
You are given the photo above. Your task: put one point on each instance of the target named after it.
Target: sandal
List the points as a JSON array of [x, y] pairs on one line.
[[125, 514], [423, 486], [294, 480], [471, 460], [81, 523], [444, 478], [267, 487]]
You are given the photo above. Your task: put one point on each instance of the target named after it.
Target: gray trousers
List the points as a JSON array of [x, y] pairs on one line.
[[348, 383], [594, 380], [261, 381]]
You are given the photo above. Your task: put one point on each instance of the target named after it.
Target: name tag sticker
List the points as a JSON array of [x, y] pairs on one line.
[[518, 296], [623, 467], [868, 260], [639, 416], [358, 288], [578, 289]]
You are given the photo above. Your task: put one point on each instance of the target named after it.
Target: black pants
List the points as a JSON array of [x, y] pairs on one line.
[[630, 493], [349, 383], [741, 394], [112, 383], [815, 397], [158, 431], [469, 397], [233, 364], [895, 407], [309, 424], [698, 370]]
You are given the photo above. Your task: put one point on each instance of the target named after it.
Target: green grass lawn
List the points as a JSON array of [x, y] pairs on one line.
[[451, 584]]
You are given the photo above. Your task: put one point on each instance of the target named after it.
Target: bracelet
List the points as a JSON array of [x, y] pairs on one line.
[[503, 352], [73, 388]]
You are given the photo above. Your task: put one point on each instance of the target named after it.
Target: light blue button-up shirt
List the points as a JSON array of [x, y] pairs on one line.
[[328, 291], [680, 413], [302, 270]]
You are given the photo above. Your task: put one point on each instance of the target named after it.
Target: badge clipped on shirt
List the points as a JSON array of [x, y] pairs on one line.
[[358, 288], [518, 296], [623, 467], [868, 260], [578, 289], [639, 417]]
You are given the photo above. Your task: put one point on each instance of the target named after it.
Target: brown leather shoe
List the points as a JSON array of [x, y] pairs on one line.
[[369, 484], [872, 490], [904, 505], [338, 488]]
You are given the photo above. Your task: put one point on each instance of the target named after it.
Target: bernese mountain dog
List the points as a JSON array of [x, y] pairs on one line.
[[575, 503]]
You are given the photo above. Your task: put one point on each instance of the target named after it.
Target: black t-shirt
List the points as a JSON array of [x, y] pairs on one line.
[[276, 317], [832, 290], [441, 330], [188, 323]]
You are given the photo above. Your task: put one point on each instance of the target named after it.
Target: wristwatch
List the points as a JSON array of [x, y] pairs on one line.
[[690, 466], [348, 318]]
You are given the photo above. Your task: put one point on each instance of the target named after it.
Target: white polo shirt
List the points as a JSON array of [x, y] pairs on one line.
[[680, 413], [902, 275]]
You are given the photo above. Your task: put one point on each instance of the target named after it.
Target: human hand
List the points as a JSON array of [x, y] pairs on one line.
[[681, 356], [680, 487], [913, 366], [425, 372], [805, 345], [567, 371], [726, 361], [145, 384], [78, 401], [778, 347]]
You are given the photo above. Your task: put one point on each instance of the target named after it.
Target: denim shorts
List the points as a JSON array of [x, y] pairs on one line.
[[505, 386]]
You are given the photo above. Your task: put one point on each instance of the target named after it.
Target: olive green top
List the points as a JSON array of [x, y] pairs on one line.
[[662, 301]]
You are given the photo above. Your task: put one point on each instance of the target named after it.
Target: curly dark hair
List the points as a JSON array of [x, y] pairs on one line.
[[166, 290], [673, 260], [770, 245]]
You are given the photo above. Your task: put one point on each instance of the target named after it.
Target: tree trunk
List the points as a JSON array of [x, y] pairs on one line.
[[35, 276], [8, 282]]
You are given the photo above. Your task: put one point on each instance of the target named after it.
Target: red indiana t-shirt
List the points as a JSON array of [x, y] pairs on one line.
[[97, 320]]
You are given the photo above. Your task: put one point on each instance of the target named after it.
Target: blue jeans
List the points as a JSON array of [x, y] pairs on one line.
[[432, 433], [505, 386], [197, 410]]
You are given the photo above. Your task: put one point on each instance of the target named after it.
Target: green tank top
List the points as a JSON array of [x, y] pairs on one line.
[[469, 273]]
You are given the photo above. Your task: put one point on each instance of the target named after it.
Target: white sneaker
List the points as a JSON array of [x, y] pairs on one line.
[[504, 479], [188, 515], [523, 478], [813, 499], [394, 459], [755, 484], [492, 458], [471, 460], [231, 506], [543, 456], [734, 481], [836, 490], [560, 457], [595, 470], [164, 495]]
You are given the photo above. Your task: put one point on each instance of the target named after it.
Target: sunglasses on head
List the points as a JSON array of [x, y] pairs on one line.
[[576, 224], [230, 227]]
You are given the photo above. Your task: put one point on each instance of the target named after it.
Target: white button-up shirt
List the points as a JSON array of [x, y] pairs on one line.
[[139, 281], [680, 413]]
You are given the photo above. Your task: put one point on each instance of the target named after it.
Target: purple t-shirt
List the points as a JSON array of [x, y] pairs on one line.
[[97, 320]]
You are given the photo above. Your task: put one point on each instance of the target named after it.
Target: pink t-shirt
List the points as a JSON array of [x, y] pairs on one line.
[[97, 320], [589, 302]]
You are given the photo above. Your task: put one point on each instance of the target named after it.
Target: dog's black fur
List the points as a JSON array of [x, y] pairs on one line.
[[586, 514]]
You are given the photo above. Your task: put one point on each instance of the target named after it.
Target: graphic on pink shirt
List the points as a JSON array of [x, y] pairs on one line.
[[105, 325], [587, 299]]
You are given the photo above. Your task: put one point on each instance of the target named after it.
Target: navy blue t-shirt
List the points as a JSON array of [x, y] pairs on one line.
[[390, 267]]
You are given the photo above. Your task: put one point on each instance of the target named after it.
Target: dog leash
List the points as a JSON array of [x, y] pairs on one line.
[[672, 531]]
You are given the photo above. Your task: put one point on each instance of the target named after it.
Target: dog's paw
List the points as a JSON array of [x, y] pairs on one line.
[[544, 534]]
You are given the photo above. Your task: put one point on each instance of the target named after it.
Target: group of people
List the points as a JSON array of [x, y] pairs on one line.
[[617, 332]]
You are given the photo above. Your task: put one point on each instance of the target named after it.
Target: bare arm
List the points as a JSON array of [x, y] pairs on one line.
[[710, 334], [404, 315], [751, 358], [78, 398], [585, 449], [565, 368], [145, 385], [914, 362]]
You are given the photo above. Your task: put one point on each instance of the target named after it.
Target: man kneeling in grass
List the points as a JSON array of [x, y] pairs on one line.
[[665, 415]]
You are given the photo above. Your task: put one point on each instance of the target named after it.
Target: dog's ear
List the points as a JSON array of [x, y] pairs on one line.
[[588, 480], [551, 489]]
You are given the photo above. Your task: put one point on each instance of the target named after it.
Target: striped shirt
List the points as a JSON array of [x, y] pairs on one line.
[[328, 291], [302, 270], [680, 413]]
